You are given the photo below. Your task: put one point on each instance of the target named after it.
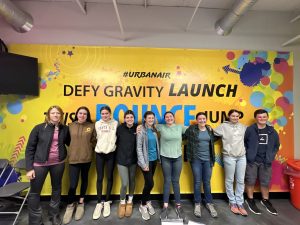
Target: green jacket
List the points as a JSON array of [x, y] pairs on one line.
[[191, 135]]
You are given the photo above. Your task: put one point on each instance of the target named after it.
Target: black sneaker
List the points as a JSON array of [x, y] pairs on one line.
[[252, 206], [266, 203], [181, 214], [164, 213]]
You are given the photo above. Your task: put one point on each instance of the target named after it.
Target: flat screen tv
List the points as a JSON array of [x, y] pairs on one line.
[[18, 75]]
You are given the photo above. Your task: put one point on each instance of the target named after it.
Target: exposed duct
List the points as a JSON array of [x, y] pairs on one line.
[[226, 23], [21, 21]]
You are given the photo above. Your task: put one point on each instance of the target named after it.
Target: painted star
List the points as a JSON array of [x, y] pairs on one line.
[[70, 53]]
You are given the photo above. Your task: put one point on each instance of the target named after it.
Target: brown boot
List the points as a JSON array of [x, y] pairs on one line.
[[121, 210], [128, 211]]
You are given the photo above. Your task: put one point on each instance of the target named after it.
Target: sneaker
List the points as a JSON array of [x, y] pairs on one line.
[[144, 211], [197, 210], [234, 208], [97, 211], [181, 214], [164, 213], [266, 203], [212, 210], [69, 213], [121, 210], [128, 210], [252, 206], [242, 210], [79, 211], [150, 208], [106, 209]]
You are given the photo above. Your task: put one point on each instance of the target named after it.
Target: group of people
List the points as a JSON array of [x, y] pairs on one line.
[[247, 152]]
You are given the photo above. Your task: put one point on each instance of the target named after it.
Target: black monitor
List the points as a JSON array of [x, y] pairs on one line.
[[18, 74]]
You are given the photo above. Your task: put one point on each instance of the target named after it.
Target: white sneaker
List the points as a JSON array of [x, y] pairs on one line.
[[144, 211], [97, 211], [150, 208], [106, 210]]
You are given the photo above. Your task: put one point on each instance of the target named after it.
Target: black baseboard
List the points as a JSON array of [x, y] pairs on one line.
[[257, 195]]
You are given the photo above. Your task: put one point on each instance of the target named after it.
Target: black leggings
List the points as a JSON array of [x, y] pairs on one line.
[[74, 171], [101, 159], [149, 183], [36, 185]]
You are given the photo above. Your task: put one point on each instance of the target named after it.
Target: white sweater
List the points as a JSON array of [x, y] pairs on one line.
[[106, 136], [232, 138]]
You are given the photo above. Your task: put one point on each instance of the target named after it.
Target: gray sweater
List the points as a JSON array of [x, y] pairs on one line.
[[142, 148]]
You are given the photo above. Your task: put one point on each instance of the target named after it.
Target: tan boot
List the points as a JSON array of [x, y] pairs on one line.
[[79, 211], [69, 213], [128, 211], [121, 210]]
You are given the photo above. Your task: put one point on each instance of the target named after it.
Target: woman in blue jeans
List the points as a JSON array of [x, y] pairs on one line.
[[201, 155], [234, 158], [171, 160]]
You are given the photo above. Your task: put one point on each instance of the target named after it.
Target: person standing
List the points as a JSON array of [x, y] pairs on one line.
[[148, 155], [126, 162], [262, 144], [80, 152], [171, 161], [234, 157], [201, 155], [106, 129], [45, 153]]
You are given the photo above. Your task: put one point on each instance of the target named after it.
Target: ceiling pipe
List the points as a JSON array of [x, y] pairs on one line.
[[224, 25], [20, 20]]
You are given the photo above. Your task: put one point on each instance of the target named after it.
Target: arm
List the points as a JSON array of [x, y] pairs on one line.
[[31, 148], [218, 131], [139, 150]]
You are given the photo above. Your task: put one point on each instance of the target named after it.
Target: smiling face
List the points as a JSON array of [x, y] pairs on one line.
[[149, 120], [54, 116], [105, 115], [169, 118], [129, 120], [261, 119], [201, 120], [81, 115], [234, 117]]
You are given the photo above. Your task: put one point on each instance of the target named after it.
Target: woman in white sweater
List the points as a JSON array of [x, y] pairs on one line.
[[106, 129], [232, 133]]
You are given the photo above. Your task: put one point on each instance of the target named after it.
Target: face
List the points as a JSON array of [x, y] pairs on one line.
[[54, 116], [169, 118], [82, 115], [201, 120], [262, 119], [105, 115], [234, 117], [150, 120], [129, 119]]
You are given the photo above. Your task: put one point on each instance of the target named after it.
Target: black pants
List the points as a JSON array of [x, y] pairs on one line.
[[74, 171], [149, 183], [101, 160], [34, 206]]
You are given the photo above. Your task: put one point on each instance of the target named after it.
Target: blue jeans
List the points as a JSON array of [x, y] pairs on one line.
[[202, 171], [171, 169], [235, 168]]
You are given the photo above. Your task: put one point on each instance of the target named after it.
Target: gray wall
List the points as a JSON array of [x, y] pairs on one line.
[[64, 23]]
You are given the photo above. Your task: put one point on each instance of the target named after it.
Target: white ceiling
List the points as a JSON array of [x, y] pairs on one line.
[[261, 5]]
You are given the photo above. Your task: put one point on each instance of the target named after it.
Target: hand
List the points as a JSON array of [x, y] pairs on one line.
[[146, 168], [30, 174]]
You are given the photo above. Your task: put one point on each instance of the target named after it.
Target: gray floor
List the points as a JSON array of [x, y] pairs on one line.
[[288, 215]]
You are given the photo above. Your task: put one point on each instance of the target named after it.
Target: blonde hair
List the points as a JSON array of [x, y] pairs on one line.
[[47, 116]]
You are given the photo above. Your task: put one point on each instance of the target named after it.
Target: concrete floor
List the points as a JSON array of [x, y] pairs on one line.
[[287, 215]]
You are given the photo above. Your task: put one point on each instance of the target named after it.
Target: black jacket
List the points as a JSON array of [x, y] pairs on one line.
[[39, 143], [126, 145], [251, 144]]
